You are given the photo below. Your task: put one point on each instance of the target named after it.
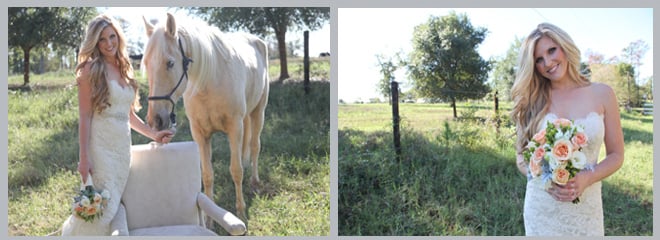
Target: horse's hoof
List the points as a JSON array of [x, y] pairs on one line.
[[255, 186]]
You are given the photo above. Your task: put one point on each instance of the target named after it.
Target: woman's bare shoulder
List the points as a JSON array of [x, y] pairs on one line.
[[601, 90]]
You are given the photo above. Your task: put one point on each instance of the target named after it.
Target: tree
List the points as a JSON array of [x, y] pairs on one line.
[[504, 72], [648, 89], [445, 63], [387, 68], [633, 54], [607, 73], [45, 27], [263, 21], [627, 73], [619, 77]]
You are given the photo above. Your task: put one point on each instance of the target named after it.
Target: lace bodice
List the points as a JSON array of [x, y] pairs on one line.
[[120, 99], [545, 216]]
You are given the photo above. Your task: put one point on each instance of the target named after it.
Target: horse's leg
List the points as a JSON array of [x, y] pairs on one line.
[[257, 117], [204, 143], [235, 135], [246, 140]]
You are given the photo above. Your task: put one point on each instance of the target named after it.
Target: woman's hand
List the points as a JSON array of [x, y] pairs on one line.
[[573, 188], [521, 164], [85, 169], [164, 136]]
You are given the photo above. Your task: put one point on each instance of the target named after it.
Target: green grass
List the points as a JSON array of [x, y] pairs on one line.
[[459, 177], [319, 68], [293, 165]]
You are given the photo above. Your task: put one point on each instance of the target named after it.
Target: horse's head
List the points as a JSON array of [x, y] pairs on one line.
[[166, 66]]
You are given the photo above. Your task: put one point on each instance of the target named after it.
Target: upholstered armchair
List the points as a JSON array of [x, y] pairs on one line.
[[163, 195]]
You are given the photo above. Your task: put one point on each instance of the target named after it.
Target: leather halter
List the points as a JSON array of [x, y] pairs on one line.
[[168, 97]]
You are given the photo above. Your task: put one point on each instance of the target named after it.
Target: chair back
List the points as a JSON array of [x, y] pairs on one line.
[[162, 186]]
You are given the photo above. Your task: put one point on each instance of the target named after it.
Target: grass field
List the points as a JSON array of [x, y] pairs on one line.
[[458, 177], [293, 165]]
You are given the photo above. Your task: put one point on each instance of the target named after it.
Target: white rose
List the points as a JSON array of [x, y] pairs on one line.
[[559, 135], [531, 144], [554, 163], [85, 201], [579, 160]]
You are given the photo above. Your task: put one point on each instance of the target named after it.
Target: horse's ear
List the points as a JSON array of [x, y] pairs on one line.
[[148, 26], [171, 25]]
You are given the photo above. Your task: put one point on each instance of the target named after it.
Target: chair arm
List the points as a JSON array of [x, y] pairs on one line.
[[228, 221], [118, 225]]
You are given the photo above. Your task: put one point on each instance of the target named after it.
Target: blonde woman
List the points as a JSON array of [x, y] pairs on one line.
[[107, 94], [549, 86]]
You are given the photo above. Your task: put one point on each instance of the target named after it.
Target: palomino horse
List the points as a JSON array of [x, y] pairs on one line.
[[224, 83]]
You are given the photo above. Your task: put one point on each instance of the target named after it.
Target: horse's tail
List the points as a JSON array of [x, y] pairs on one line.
[[263, 50]]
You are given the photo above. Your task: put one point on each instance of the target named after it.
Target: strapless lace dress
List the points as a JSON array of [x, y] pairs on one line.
[[545, 216], [109, 151]]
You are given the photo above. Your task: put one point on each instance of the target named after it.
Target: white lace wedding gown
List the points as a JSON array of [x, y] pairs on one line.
[[545, 216], [109, 151]]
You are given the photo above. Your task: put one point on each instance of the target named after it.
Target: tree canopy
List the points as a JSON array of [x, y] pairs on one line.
[[445, 63], [504, 71], [388, 67], [55, 27], [265, 21]]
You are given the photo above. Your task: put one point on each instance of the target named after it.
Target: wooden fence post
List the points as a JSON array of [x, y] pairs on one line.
[[306, 62], [395, 118], [497, 114]]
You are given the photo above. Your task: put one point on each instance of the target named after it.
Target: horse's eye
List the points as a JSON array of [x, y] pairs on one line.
[[170, 64]]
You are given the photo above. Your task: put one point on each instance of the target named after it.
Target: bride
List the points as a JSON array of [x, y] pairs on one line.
[[548, 86], [107, 94]]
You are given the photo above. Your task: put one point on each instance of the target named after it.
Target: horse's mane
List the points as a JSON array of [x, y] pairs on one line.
[[206, 45]]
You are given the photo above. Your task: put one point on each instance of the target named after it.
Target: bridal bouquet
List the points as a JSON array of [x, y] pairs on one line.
[[89, 204], [555, 153]]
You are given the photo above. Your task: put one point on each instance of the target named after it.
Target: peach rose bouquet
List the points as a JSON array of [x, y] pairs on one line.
[[555, 153], [89, 204]]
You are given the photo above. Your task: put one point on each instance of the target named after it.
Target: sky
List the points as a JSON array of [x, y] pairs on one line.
[[363, 33], [319, 40]]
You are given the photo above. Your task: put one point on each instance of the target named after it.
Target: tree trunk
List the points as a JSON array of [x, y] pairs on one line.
[[281, 46], [26, 67], [453, 104]]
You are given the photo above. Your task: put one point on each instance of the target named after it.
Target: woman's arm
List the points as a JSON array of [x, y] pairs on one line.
[[522, 165], [85, 111], [613, 137], [139, 126]]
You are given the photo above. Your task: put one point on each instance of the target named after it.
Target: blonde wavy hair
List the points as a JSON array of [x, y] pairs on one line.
[[531, 91], [89, 54]]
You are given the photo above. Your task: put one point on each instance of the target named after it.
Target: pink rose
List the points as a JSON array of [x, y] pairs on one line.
[[562, 122], [562, 150], [78, 208], [540, 137], [91, 211], [579, 140], [538, 154], [560, 176]]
